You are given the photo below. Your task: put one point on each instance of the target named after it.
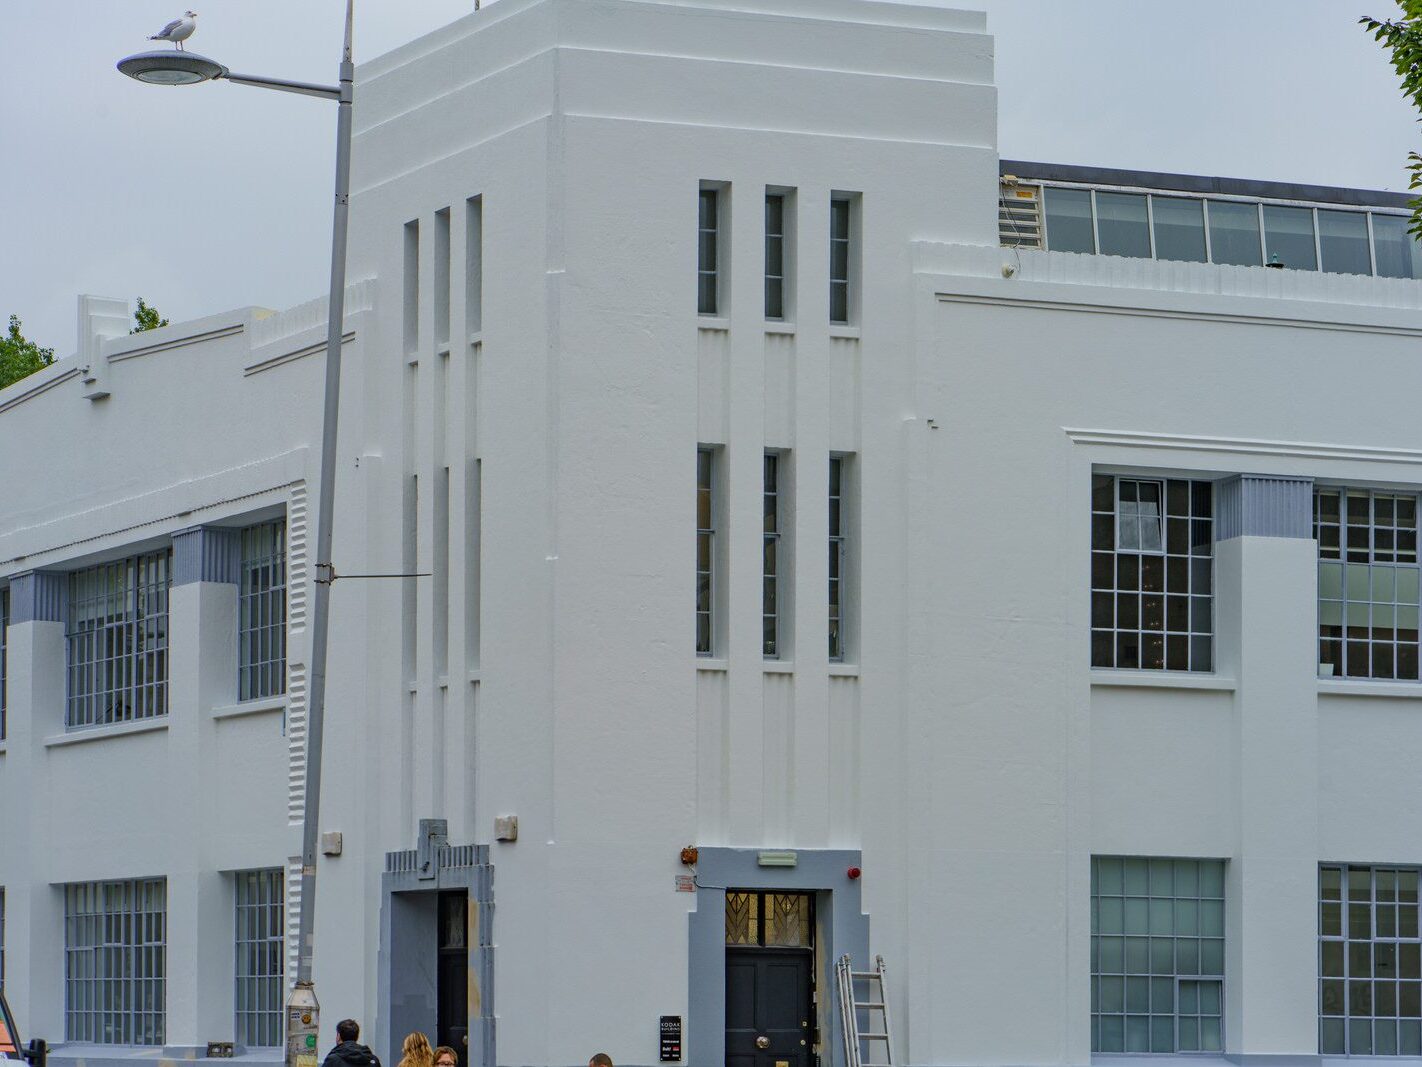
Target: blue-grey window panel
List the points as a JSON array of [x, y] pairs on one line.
[[1288, 234], [1179, 228], [1397, 251], [1256, 505], [1234, 234], [1122, 225], [206, 554], [1069, 226], [38, 596], [1343, 242]]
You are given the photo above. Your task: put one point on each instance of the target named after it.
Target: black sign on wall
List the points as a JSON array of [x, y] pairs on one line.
[[671, 1038]]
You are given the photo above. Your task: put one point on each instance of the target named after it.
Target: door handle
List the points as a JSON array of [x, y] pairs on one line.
[[762, 1041]]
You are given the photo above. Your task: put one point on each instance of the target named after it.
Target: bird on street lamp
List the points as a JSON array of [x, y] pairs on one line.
[[178, 31]]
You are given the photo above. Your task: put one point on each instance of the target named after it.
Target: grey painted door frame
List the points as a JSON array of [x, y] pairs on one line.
[[840, 927]]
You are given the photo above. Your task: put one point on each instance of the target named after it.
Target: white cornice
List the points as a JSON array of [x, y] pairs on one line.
[[1242, 446]]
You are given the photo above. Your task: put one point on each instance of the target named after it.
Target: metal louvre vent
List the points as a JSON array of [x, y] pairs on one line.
[[1019, 213]]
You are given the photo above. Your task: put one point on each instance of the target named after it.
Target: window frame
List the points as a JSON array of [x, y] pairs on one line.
[[266, 922], [711, 257], [1139, 962], [118, 688], [140, 920], [844, 235], [1132, 588], [839, 545], [1352, 569], [1347, 984], [782, 241], [708, 500], [261, 611], [772, 577]]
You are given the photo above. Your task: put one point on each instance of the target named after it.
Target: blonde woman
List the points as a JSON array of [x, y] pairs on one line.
[[416, 1051]]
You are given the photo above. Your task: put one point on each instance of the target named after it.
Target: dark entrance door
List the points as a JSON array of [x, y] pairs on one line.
[[452, 974], [770, 966]]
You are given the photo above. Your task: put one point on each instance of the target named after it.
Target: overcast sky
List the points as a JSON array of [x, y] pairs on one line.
[[216, 197]]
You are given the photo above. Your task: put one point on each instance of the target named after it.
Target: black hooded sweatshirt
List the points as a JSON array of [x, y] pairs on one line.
[[351, 1054]]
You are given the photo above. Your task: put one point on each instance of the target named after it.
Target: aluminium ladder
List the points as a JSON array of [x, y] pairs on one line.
[[875, 1008]]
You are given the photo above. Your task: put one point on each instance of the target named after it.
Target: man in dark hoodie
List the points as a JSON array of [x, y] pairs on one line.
[[348, 1052]]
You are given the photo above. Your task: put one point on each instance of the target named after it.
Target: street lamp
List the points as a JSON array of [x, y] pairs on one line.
[[188, 68]]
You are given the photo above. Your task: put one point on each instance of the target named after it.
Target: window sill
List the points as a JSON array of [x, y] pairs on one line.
[[4, 747], [102, 733], [710, 663], [786, 328], [847, 332], [250, 707], [476, 338], [844, 670], [713, 322], [1163, 680], [778, 666], [1344, 687]]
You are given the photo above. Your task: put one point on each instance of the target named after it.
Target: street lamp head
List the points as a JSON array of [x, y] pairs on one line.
[[171, 68]]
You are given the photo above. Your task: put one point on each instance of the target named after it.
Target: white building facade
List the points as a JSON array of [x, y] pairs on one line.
[[828, 538]]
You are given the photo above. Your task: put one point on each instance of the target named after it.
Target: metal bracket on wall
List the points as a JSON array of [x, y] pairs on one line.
[[433, 834]]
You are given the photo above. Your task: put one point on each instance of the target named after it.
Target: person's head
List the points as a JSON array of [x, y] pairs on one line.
[[348, 1030], [417, 1048], [600, 1059], [446, 1057]]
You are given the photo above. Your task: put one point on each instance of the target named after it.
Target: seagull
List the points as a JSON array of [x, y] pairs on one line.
[[178, 31]]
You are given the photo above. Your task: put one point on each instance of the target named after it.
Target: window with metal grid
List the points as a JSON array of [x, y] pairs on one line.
[[705, 550], [118, 640], [260, 945], [708, 253], [1367, 582], [4, 656], [115, 966], [770, 569], [1157, 954], [839, 260], [1369, 961], [1152, 573], [775, 256], [261, 601], [838, 553]]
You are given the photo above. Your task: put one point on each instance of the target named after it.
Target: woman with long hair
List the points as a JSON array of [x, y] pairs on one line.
[[416, 1051]]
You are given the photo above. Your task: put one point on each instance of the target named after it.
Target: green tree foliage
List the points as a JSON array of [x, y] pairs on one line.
[[1402, 37], [19, 356], [146, 318]]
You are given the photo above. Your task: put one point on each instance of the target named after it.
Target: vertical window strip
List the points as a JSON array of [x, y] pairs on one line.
[[474, 264], [1369, 961], [117, 641], [2, 938], [770, 570], [115, 945], [705, 550], [1152, 573], [839, 260], [708, 234], [837, 553], [4, 656], [775, 256], [261, 602], [1157, 954], [1368, 580], [260, 946]]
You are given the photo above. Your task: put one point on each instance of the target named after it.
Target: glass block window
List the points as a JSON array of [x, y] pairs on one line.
[[1152, 573], [708, 234], [4, 656], [1369, 962], [260, 946], [705, 549], [839, 259], [774, 255], [1157, 955], [1367, 583], [769, 920], [118, 640], [261, 605], [770, 566], [838, 546], [115, 963]]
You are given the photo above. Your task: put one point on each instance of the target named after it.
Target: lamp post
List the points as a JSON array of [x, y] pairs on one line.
[[189, 68]]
